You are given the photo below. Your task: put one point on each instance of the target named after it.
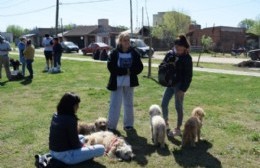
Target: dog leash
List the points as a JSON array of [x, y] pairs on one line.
[[113, 143]]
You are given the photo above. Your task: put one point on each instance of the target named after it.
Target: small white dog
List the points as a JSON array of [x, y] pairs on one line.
[[158, 126]]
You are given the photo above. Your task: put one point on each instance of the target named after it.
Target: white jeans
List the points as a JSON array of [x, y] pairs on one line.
[[123, 94]]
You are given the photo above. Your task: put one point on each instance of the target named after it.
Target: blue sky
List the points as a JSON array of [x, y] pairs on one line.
[[205, 12]]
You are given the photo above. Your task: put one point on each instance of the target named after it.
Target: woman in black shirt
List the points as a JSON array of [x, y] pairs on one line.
[[64, 142]]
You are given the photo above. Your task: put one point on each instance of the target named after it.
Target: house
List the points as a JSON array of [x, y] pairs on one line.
[[8, 36], [224, 38], [142, 32], [84, 35], [37, 34]]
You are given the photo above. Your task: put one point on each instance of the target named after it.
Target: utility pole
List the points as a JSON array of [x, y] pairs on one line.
[[142, 22], [131, 17], [57, 17], [61, 27]]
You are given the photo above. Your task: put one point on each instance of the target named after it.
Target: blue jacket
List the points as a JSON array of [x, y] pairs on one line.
[[21, 47]]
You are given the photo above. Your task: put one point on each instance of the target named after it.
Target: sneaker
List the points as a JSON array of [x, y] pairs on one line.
[[175, 132], [128, 128]]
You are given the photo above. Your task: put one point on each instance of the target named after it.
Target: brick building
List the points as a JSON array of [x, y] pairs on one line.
[[224, 38]]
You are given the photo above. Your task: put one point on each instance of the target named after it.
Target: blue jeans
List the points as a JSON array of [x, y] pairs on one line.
[[22, 60], [57, 60], [168, 94], [76, 156], [29, 67], [123, 94]]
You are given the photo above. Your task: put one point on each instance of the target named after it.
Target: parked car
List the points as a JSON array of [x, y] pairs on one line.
[[93, 47], [69, 46], [142, 47], [254, 54], [239, 51]]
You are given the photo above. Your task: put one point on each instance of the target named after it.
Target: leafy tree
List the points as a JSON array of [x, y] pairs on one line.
[[16, 30], [246, 23], [255, 29], [69, 26], [206, 42], [174, 23]]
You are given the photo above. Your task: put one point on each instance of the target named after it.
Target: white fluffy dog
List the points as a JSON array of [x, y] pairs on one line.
[[116, 147], [158, 126]]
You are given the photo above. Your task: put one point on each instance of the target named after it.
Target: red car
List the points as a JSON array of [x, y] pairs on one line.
[[93, 47]]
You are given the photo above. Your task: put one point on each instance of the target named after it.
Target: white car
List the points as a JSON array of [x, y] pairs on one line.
[[142, 47]]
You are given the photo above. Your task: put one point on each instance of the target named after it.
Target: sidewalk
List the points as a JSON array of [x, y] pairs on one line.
[[210, 59], [209, 70]]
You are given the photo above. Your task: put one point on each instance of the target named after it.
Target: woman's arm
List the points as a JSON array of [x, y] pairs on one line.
[[137, 66], [187, 74], [73, 135]]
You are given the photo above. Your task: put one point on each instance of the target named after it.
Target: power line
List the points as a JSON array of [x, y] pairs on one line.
[[13, 5], [29, 12]]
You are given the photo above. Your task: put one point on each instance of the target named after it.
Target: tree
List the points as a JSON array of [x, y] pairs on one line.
[[69, 26], [255, 29], [246, 23], [173, 24], [16, 30], [206, 42]]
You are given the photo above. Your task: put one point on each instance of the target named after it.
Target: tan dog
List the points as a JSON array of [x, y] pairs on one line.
[[88, 128], [116, 147], [158, 126], [192, 127]]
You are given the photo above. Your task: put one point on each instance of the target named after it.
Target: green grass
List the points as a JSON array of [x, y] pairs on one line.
[[231, 129]]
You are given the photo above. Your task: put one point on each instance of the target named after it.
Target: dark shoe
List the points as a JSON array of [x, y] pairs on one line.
[[114, 131], [30, 77], [128, 128]]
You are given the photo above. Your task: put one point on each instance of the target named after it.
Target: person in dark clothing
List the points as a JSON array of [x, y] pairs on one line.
[[96, 54], [57, 53], [64, 142], [183, 78], [124, 64], [103, 55]]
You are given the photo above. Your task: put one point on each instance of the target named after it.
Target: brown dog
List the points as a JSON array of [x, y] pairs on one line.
[[88, 128], [192, 127]]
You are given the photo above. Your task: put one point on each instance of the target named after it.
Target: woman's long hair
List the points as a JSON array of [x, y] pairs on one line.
[[67, 104]]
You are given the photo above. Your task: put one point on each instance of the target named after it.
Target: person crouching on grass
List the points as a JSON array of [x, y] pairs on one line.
[[29, 57], [182, 83], [124, 64], [57, 53], [64, 142]]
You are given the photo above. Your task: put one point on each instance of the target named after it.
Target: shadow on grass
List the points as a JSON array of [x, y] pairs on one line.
[[26, 81], [91, 164], [196, 157], [141, 148], [3, 83]]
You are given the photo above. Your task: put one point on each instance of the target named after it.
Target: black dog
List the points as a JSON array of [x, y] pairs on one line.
[[15, 64]]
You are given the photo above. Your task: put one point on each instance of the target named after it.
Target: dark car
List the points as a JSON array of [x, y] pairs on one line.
[[93, 47], [254, 54], [69, 46], [142, 47]]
